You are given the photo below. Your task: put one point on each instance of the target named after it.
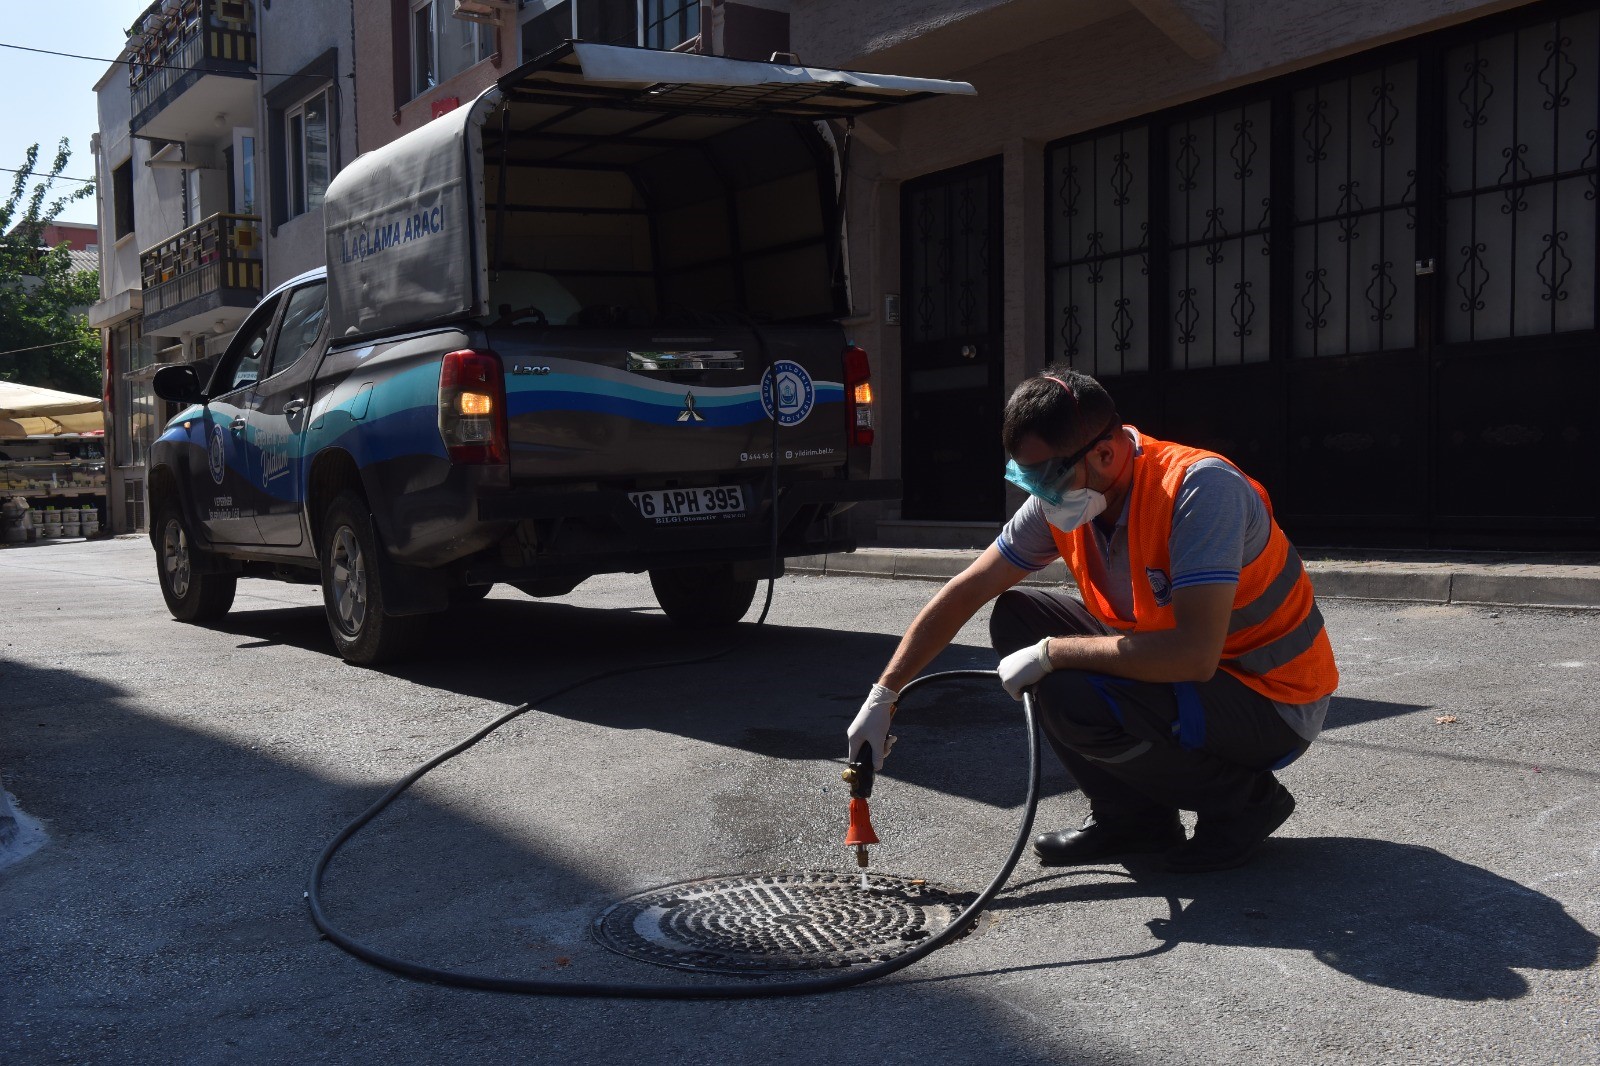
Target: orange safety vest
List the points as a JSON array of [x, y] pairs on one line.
[[1276, 641]]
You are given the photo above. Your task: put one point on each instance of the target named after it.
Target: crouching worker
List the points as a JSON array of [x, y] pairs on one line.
[[1194, 666]]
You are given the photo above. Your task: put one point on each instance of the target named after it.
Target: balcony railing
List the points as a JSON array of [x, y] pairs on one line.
[[220, 256], [175, 44]]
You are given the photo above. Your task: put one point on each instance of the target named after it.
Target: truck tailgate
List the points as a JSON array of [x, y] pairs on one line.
[[647, 407]]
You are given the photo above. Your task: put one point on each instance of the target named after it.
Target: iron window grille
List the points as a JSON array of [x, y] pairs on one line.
[[1295, 218]]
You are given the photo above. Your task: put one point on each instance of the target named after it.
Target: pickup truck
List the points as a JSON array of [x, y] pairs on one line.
[[586, 324]]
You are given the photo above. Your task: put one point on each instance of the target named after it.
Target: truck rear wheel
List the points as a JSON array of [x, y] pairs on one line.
[[191, 594], [352, 589], [705, 597]]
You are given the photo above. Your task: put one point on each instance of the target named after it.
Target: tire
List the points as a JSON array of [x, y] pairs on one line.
[[191, 596], [702, 597], [353, 595]]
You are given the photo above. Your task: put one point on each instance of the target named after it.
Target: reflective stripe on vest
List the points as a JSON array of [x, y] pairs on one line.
[[1272, 597], [1284, 650]]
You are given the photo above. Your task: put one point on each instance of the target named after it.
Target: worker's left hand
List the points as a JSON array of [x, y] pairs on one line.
[[871, 725], [1025, 668]]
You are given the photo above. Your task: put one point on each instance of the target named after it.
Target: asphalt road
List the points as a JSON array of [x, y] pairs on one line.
[[1435, 899]]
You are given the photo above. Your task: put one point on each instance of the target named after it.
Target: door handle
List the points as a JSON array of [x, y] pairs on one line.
[[237, 425], [293, 407]]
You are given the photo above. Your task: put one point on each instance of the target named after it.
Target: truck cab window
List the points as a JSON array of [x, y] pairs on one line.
[[302, 321], [241, 365]]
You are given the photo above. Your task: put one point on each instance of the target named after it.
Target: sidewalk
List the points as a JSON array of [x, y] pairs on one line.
[[1494, 579]]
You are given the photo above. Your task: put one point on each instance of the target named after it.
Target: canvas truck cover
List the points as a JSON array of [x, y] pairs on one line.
[[401, 225], [405, 223]]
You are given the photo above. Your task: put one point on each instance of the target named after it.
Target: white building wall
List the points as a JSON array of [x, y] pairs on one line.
[[119, 260], [293, 34]]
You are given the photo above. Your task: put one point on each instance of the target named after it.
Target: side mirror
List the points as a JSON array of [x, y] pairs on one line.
[[179, 384]]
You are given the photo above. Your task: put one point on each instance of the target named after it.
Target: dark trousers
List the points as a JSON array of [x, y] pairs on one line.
[[1140, 750]]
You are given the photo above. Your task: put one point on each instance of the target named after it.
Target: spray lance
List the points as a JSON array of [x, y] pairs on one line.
[[859, 776]]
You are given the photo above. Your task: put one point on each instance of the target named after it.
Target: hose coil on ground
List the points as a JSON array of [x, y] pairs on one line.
[[743, 990]]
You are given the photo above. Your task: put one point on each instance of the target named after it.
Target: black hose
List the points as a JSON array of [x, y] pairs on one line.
[[768, 365], [746, 990]]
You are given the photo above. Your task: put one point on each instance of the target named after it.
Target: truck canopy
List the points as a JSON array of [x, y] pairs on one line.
[[602, 185]]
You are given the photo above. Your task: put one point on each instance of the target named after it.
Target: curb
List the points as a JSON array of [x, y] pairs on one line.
[[1509, 584]]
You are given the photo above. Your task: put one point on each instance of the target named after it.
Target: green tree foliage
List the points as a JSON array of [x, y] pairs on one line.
[[41, 297]]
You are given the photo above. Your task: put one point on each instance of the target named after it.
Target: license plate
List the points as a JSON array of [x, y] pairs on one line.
[[682, 506]]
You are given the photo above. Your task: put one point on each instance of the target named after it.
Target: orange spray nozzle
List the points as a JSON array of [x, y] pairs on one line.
[[861, 832]]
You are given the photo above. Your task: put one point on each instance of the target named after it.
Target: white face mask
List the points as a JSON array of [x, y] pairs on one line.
[[1075, 507]]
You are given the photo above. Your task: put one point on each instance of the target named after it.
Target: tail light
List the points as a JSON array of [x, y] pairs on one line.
[[858, 394], [472, 407]]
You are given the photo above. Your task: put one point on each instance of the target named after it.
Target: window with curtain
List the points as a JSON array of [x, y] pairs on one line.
[[668, 23], [307, 135], [442, 45]]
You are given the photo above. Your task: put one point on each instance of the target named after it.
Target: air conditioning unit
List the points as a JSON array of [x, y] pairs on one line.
[[488, 12]]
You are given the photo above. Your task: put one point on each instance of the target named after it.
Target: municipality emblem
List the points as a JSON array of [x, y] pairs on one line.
[[787, 393], [1160, 584], [216, 457]]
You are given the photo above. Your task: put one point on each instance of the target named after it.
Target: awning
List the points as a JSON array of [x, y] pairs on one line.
[[30, 401], [53, 425], [29, 411], [643, 79]]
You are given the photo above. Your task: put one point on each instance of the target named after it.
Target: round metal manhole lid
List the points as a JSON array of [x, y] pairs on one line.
[[778, 923]]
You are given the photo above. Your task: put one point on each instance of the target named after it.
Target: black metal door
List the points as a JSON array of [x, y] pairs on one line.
[[1355, 337], [1516, 370], [952, 347]]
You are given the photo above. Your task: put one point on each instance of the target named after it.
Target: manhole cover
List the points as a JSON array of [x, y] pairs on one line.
[[776, 923]]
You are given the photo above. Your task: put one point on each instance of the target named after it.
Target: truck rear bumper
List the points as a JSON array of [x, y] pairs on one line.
[[517, 505], [613, 537]]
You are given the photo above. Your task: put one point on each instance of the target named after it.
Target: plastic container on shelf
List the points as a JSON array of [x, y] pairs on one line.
[[14, 520]]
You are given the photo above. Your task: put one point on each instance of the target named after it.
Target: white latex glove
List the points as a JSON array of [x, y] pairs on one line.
[[1025, 668], [872, 725]]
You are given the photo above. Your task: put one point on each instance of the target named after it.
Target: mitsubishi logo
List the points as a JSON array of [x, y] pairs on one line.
[[689, 414]]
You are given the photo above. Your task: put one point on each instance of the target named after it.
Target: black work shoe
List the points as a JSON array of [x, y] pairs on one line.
[[1097, 842], [1223, 842]]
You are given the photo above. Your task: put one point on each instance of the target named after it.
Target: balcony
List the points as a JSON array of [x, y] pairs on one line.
[[206, 278], [190, 67]]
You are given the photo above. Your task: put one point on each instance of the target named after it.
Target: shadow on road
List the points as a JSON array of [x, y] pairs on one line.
[[1397, 915], [164, 920], [514, 650], [808, 684]]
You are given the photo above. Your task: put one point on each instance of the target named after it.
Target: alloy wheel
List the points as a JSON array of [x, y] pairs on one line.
[[175, 562], [348, 580]]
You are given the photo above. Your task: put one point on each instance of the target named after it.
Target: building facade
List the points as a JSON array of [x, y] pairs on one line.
[[181, 259], [1350, 245]]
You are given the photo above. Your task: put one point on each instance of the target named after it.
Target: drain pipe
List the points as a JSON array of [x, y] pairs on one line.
[[742, 990]]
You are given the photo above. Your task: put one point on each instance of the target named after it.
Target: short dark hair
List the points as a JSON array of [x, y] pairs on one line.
[[1063, 407]]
